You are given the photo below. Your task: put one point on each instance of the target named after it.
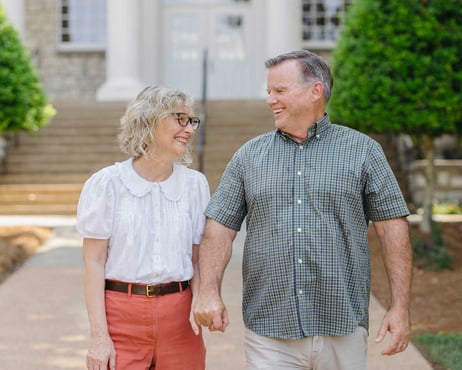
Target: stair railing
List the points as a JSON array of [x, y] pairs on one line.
[[203, 112]]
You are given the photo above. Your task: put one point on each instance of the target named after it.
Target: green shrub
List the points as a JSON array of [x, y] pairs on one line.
[[23, 104], [398, 67], [447, 209]]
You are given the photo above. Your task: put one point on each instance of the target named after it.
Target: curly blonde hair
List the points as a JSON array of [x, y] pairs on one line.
[[153, 104]]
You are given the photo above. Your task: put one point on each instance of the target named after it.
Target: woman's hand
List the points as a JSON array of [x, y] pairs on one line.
[[101, 353]]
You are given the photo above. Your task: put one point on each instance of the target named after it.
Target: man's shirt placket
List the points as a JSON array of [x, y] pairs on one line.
[[300, 199]]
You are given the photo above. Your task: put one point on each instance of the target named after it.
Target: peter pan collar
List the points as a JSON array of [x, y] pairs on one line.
[[172, 188]]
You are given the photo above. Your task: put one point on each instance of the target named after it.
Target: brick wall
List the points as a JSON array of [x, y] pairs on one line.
[[452, 233]]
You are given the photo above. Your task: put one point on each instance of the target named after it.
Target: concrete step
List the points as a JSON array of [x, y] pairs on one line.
[[49, 199], [45, 170], [41, 178], [51, 208], [56, 167]]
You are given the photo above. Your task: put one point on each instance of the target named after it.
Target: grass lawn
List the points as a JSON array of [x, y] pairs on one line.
[[446, 349]]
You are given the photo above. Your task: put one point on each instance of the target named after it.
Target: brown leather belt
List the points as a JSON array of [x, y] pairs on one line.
[[147, 290]]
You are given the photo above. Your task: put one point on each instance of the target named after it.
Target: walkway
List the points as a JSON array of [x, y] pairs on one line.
[[43, 322]]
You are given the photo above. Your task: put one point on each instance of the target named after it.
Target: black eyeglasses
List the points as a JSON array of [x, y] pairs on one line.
[[183, 120]]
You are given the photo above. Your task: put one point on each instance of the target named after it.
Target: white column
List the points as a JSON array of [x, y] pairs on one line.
[[151, 56], [15, 11], [283, 26], [123, 64]]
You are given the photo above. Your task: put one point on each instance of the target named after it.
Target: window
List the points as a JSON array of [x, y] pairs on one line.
[[323, 21], [82, 25]]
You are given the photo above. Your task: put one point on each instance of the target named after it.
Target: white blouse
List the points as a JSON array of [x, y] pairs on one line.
[[150, 226]]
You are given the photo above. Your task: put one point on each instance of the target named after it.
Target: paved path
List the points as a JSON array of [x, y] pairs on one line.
[[43, 323]]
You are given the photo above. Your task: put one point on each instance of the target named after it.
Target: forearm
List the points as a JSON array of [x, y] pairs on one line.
[[195, 280], [94, 297], [94, 257], [397, 258], [215, 253]]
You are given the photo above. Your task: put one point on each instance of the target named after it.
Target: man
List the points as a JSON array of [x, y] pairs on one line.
[[308, 190]]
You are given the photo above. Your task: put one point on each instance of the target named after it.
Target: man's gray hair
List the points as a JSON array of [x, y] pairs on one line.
[[312, 67]]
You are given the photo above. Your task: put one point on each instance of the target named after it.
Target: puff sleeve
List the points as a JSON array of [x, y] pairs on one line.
[[95, 209], [199, 201]]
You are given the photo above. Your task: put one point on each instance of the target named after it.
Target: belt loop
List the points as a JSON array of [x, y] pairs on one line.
[[181, 285], [129, 290]]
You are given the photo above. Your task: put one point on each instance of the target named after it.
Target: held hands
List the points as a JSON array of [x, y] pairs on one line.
[[210, 311], [397, 322], [101, 354]]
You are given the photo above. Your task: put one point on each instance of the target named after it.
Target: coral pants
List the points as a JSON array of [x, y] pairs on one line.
[[153, 333]]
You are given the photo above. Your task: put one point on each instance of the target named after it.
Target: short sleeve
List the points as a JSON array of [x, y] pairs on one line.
[[228, 205], [383, 197], [200, 198], [96, 207]]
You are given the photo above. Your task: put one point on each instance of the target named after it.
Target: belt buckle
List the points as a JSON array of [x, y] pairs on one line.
[[153, 290]]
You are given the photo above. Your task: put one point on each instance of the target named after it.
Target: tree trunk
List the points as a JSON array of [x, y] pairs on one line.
[[428, 148]]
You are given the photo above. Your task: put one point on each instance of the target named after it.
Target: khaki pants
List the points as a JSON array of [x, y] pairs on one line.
[[311, 353]]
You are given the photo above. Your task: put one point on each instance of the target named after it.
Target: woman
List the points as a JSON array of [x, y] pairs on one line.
[[142, 221]]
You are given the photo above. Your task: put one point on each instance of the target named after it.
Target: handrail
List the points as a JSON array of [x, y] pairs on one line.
[[203, 112]]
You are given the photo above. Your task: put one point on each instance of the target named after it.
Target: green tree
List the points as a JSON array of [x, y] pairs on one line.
[[398, 69], [23, 104]]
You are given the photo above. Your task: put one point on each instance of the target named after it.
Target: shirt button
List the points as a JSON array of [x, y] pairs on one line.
[[300, 147], [299, 173], [299, 201], [300, 291], [299, 230], [300, 261]]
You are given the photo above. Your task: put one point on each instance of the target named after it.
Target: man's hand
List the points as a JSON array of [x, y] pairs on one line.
[[397, 322], [210, 311]]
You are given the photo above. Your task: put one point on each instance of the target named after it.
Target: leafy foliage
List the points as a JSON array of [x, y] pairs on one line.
[[23, 104], [447, 209], [398, 67]]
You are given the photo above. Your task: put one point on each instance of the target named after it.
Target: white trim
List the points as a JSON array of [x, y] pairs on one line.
[[80, 48], [319, 45]]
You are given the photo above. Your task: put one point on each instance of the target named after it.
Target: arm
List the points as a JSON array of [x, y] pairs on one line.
[[397, 256], [215, 253], [194, 284], [101, 351]]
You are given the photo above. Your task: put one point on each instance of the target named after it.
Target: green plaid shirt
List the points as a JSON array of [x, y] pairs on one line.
[[306, 267]]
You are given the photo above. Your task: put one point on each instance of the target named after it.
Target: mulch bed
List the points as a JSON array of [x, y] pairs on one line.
[[436, 299], [17, 244]]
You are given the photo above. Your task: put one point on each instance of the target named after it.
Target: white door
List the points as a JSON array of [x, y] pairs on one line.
[[226, 33]]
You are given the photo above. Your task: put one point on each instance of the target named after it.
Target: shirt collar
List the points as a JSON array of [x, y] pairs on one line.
[[172, 187], [315, 131]]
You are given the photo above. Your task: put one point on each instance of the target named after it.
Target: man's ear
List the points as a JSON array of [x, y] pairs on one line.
[[318, 90]]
